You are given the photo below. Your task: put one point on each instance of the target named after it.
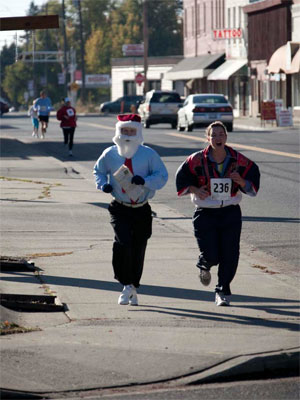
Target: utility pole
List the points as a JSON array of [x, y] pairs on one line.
[[47, 45], [65, 48], [146, 40], [82, 53]]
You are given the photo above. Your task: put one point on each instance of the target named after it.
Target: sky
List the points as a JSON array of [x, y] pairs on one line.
[[14, 8]]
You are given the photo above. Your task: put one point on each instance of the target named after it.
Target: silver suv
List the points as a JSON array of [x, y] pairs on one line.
[[159, 107]]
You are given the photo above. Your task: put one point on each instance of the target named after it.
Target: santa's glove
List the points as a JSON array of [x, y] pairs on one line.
[[107, 188], [138, 180]]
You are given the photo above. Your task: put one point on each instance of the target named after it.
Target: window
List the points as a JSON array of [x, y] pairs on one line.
[[185, 22], [234, 18], [228, 18], [165, 98], [209, 99], [198, 19], [193, 20], [129, 87], [212, 14], [154, 84], [240, 17]]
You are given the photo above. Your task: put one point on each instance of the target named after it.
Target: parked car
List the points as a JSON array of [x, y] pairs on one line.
[[159, 107], [4, 106], [122, 104], [202, 109]]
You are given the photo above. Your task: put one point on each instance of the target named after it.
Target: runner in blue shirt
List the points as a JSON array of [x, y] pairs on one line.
[[43, 106]]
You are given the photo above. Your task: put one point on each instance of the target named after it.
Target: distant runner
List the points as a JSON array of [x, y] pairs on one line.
[[43, 106]]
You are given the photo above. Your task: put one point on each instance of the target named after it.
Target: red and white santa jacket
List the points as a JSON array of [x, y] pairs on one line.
[[199, 169]]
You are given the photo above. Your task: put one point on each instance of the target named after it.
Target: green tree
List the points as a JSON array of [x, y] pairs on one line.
[[165, 28], [126, 26], [8, 55], [98, 52], [15, 82]]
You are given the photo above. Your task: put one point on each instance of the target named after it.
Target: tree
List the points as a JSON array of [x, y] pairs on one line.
[[165, 28], [98, 52], [126, 26], [15, 82], [8, 55]]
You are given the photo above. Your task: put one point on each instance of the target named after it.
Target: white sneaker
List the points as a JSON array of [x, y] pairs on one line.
[[221, 299], [125, 295], [133, 300]]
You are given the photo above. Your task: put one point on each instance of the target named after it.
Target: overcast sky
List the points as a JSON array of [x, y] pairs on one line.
[[14, 8]]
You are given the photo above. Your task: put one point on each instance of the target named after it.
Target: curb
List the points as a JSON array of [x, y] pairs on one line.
[[237, 368], [241, 367]]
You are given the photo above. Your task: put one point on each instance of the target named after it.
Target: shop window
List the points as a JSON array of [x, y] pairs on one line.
[[129, 88], [154, 85]]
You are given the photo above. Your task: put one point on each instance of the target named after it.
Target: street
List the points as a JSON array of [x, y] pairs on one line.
[[270, 221], [177, 344]]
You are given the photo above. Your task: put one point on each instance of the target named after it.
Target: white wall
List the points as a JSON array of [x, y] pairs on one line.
[[235, 18], [121, 74], [296, 22]]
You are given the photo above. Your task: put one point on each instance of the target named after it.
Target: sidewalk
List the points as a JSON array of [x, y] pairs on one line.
[[255, 124], [52, 214]]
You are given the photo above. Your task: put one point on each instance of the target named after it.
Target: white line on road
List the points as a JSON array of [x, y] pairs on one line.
[[240, 146]]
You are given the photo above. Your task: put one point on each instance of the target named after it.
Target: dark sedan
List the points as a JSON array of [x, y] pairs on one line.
[[4, 106], [122, 104]]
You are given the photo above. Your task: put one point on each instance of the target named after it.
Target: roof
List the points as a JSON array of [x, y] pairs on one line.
[[130, 61]]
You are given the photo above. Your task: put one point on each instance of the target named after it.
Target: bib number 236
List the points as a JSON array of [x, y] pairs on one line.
[[220, 188]]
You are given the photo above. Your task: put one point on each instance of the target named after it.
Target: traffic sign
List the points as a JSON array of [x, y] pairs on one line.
[[139, 78]]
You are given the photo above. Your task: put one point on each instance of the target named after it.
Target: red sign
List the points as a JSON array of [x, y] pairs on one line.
[[227, 33], [139, 78], [268, 110], [78, 75]]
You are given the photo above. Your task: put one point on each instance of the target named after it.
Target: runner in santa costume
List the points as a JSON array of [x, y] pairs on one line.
[[131, 218], [215, 178]]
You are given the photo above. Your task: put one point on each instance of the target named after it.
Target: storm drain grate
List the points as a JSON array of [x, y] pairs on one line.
[[16, 264], [33, 303]]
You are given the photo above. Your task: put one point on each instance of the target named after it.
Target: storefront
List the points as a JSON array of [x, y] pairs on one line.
[[125, 71]]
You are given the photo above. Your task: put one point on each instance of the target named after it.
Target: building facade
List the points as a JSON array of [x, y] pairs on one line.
[[215, 42], [273, 52], [125, 70]]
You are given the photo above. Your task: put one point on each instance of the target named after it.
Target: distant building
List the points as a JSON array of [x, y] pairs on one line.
[[273, 52], [215, 51], [125, 70]]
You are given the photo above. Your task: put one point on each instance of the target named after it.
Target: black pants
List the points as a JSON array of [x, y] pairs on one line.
[[218, 232], [69, 136], [133, 228]]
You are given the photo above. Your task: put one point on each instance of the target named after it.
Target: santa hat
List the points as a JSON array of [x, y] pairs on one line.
[[129, 120]]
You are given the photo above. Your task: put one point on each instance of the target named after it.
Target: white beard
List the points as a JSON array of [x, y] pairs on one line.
[[127, 147]]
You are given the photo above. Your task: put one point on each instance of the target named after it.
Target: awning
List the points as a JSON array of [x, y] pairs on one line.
[[282, 60], [194, 67], [296, 63], [228, 68]]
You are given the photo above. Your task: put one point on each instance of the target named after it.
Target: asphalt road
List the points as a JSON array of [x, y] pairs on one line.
[[271, 389], [270, 221]]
